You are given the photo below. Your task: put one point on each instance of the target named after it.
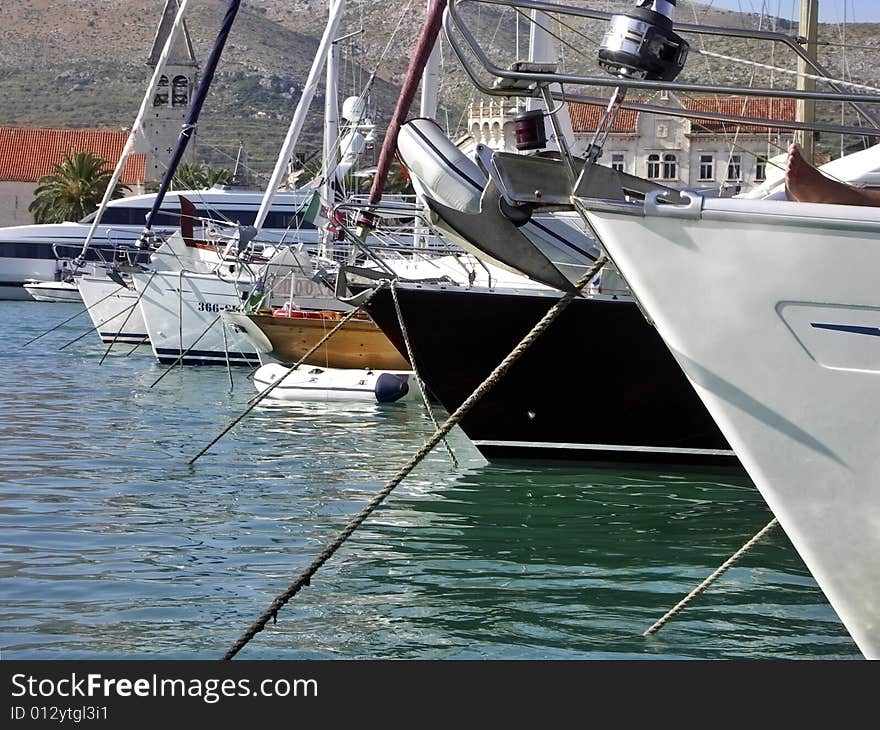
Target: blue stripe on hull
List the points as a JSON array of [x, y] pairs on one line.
[[851, 328], [168, 356]]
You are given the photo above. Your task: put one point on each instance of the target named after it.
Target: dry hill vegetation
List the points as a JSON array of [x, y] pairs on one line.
[[65, 63]]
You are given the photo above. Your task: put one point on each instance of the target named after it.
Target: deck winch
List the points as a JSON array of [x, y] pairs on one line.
[[641, 44]]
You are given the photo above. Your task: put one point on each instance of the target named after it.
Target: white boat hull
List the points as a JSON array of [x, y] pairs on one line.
[[113, 309], [181, 312], [309, 383], [64, 292], [33, 251], [772, 309]]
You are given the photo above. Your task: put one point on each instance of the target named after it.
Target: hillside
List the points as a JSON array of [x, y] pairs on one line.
[[66, 64]]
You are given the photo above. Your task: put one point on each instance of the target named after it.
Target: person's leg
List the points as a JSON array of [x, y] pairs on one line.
[[806, 184]]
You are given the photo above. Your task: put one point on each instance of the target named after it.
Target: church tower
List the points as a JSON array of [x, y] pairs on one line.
[[165, 117]]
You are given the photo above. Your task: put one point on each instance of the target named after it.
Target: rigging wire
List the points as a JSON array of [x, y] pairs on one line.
[[466, 109], [799, 74]]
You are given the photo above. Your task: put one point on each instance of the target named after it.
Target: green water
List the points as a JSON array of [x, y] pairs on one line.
[[114, 547]]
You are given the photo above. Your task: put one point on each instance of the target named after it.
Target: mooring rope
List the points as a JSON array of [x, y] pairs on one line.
[[305, 577], [60, 324], [261, 395], [184, 353], [144, 340], [121, 327], [90, 330], [412, 362], [226, 354], [682, 604]]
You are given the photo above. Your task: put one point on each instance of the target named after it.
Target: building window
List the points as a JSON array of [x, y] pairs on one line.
[[707, 167], [670, 167], [761, 169], [617, 161], [496, 134], [734, 168], [161, 97], [179, 91], [653, 167]]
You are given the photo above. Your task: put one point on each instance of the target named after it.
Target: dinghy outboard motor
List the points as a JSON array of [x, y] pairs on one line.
[[642, 45]]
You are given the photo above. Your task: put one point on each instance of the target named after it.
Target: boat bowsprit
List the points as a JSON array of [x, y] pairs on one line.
[[317, 383]]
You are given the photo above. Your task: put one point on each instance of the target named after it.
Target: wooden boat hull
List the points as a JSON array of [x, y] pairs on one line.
[[360, 344]]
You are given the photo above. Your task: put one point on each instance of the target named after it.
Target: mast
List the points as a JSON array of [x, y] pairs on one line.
[[296, 124], [542, 49], [331, 117], [330, 186], [806, 108], [431, 81], [424, 47], [192, 117], [136, 127]]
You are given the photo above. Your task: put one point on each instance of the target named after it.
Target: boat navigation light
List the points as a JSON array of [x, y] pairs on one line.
[[529, 131], [641, 44]]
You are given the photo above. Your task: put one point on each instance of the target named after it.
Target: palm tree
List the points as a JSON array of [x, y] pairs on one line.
[[196, 176], [73, 190]]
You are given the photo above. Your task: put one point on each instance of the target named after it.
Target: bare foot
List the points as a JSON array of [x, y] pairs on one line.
[[803, 182], [806, 184]]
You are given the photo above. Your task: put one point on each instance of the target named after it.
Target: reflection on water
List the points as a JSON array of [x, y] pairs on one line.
[[113, 546]]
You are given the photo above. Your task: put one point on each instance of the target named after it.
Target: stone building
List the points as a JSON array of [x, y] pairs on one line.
[[680, 151], [170, 103]]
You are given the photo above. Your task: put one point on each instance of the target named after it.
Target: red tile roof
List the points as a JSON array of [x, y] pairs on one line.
[[27, 153], [585, 117], [771, 108]]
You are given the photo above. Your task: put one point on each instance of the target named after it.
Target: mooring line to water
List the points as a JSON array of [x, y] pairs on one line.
[[682, 604], [185, 352], [61, 324], [226, 353], [257, 399], [348, 317], [305, 577], [121, 327], [90, 330], [144, 340], [412, 362]]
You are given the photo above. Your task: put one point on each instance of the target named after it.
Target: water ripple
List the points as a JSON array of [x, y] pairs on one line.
[[113, 546]]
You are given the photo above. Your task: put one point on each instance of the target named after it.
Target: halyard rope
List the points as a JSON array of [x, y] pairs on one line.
[[305, 577], [682, 604]]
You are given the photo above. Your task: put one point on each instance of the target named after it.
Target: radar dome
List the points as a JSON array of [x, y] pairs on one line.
[[354, 109]]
